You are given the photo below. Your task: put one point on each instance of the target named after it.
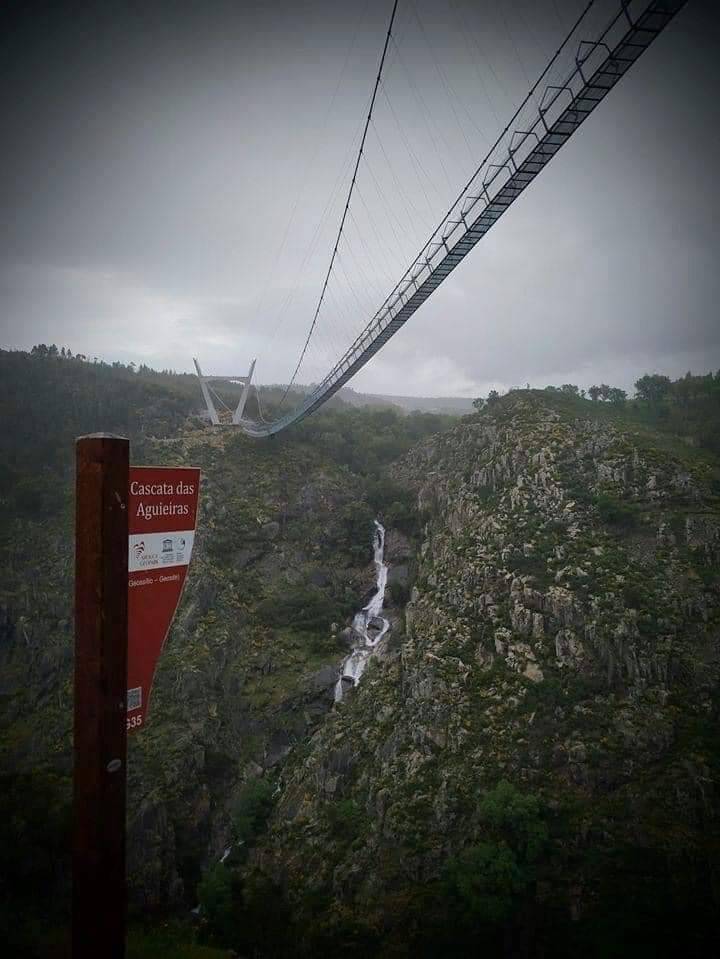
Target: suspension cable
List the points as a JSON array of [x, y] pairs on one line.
[[347, 204]]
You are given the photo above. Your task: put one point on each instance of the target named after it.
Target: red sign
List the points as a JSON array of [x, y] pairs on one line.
[[161, 525]]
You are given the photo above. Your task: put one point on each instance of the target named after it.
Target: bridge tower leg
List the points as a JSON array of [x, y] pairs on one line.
[[214, 418], [237, 415]]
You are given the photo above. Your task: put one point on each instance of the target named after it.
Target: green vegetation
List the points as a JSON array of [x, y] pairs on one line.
[[367, 440], [530, 771], [345, 818], [215, 897], [522, 753], [613, 512], [283, 554], [35, 828], [251, 809], [688, 407], [169, 940], [394, 503], [50, 398], [304, 607], [487, 880]]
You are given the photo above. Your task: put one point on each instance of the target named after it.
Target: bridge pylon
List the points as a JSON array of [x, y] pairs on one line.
[[235, 417]]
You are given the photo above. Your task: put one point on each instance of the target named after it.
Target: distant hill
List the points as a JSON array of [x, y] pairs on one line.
[[458, 405], [454, 405]]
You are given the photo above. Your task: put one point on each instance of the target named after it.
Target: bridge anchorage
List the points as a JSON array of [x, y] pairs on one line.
[[546, 119]]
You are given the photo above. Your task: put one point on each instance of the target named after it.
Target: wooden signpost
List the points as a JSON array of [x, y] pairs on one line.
[[99, 781], [134, 534]]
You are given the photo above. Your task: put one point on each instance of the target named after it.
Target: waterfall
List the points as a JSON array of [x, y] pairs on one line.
[[369, 624]]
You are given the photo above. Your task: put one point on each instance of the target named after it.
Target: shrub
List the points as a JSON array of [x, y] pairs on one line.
[[613, 512], [345, 818], [215, 897], [252, 809], [488, 879], [394, 504], [517, 817], [304, 607], [634, 596], [484, 880]]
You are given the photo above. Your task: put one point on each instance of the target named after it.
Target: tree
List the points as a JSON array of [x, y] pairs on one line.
[[594, 392], [570, 389], [493, 397], [604, 392], [653, 387], [215, 895], [251, 809], [487, 880], [617, 396], [515, 817], [479, 403]]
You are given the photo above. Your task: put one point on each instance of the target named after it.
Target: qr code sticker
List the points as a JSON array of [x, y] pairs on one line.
[[134, 698]]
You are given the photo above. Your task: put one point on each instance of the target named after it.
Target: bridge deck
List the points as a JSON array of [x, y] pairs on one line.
[[517, 158]]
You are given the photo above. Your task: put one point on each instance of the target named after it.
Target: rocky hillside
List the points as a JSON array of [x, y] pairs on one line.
[[528, 766], [533, 767], [283, 559]]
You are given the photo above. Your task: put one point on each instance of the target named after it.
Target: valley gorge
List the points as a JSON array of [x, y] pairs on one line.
[[526, 764]]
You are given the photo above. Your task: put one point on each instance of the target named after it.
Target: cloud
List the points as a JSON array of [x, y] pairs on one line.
[[174, 189], [103, 313]]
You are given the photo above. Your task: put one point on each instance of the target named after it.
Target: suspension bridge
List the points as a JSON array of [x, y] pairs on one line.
[[607, 38]]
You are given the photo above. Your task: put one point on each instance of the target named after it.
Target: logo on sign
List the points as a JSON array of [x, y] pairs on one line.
[[139, 549], [167, 546]]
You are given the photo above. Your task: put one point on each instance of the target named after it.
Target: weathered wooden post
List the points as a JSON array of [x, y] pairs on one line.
[[100, 736]]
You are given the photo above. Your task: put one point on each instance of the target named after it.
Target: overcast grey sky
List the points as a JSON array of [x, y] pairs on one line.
[[166, 168]]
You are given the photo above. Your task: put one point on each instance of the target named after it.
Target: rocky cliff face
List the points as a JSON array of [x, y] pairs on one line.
[[244, 677], [561, 650], [283, 560], [529, 764], [283, 555]]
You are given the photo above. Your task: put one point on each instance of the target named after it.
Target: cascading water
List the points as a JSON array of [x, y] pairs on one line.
[[369, 625]]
